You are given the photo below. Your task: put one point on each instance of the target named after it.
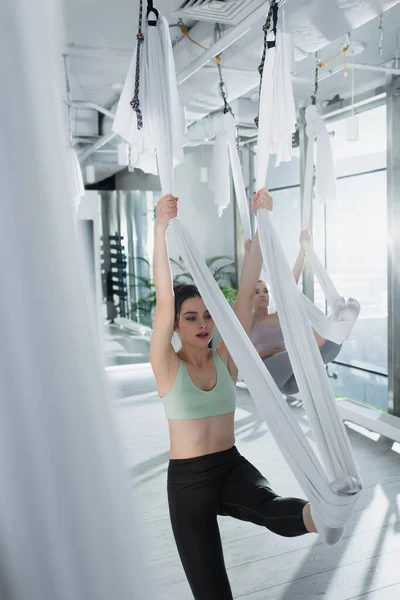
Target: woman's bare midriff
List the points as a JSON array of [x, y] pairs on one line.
[[197, 437]]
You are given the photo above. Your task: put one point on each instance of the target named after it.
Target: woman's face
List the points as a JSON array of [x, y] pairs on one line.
[[262, 295], [195, 325]]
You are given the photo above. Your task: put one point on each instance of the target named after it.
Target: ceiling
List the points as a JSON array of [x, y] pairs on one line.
[[101, 36]]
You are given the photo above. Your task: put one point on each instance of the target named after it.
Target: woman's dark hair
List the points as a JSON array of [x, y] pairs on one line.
[[183, 292]]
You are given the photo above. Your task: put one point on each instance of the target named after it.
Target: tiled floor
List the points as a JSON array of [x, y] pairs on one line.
[[262, 566]]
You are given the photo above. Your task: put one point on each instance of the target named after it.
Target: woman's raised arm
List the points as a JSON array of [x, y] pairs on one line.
[[251, 268], [299, 264], [161, 352]]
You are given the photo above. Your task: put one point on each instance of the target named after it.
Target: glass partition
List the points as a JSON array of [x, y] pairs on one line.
[[351, 238], [128, 292], [356, 242], [287, 219]]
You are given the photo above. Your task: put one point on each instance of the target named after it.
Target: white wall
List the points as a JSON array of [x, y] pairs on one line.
[[212, 235], [89, 209]]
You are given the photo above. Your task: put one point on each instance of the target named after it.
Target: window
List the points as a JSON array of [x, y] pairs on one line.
[[356, 242], [286, 219], [352, 238]]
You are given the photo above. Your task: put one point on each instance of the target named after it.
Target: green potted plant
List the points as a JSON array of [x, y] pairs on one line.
[[222, 268]]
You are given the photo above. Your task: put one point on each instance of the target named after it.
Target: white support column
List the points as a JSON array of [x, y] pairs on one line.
[[308, 275], [393, 187]]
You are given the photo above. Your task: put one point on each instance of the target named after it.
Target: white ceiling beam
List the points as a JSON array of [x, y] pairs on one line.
[[83, 105], [96, 146]]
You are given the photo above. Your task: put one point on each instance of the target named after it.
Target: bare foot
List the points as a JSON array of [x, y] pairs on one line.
[[307, 518]]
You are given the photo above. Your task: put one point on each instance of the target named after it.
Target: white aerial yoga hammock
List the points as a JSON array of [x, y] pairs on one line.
[[125, 121], [67, 515], [338, 325], [225, 152], [75, 177], [330, 482]]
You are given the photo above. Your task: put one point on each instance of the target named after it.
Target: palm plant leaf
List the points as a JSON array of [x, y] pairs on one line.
[[210, 261], [143, 259], [225, 271], [144, 282], [178, 277], [177, 264]]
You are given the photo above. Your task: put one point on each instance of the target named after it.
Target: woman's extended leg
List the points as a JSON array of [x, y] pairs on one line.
[[193, 509], [247, 495]]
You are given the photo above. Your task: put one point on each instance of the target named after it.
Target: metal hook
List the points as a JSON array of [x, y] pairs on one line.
[[151, 9]]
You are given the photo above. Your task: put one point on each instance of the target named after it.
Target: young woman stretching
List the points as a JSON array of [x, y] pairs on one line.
[[266, 333], [206, 475]]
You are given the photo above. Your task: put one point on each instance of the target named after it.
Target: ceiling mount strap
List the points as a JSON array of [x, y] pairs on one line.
[[151, 9], [271, 17], [135, 100]]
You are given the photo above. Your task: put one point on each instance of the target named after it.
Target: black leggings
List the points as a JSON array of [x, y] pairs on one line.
[[224, 483]]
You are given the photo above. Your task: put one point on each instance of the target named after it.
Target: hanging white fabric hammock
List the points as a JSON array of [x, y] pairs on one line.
[[331, 482], [225, 152], [76, 179], [67, 516], [338, 325], [325, 179], [219, 181], [279, 105], [125, 121], [308, 367]]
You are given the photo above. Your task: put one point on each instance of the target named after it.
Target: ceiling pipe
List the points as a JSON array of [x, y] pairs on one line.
[[360, 67], [230, 38], [96, 146], [386, 70], [227, 40], [83, 105], [105, 139], [107, 151]]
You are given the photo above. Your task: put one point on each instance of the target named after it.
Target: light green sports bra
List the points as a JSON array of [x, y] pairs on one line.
[[186, 401]]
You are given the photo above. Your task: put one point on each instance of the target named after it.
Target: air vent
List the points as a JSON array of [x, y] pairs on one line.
[[228, 12]]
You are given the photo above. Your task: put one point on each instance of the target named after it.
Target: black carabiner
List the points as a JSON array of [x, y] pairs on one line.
[[151, 9]]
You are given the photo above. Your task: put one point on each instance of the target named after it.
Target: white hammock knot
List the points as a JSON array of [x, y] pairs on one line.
[[346, 486]]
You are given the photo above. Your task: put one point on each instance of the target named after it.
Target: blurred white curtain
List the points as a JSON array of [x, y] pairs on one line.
[[67, 522]]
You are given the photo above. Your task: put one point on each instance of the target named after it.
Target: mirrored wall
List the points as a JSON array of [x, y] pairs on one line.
[[354, 244], [127, 221], [350, 237]]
